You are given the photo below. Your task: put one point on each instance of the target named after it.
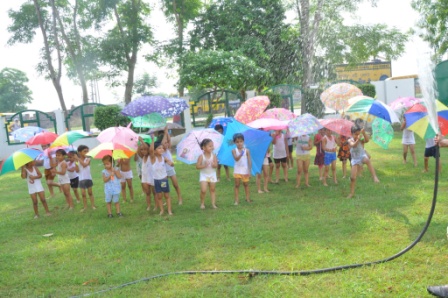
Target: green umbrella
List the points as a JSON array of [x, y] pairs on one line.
[[148, 121], [382, 132]]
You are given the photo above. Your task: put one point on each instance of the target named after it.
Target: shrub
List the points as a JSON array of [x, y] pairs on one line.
[[275, 99], [368, 90], [109, 116]]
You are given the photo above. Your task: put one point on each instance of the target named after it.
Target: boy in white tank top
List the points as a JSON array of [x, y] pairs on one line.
[[243, 166]]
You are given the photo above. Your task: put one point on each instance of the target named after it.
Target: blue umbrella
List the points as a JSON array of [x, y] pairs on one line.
[[224, 121], [178, 105], [146, 105], [257, 141], [25, 133]]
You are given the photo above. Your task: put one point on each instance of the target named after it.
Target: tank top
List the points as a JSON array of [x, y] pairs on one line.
[[71, 166], [167, 155], [302, 141], [158, 169], [207, 161], [63, 179], [279, 147], [241, 166], [358, 151], [37, 185], [84, 172], [331, 143]]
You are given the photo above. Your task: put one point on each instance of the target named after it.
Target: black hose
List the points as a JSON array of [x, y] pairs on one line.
[[252, 273]]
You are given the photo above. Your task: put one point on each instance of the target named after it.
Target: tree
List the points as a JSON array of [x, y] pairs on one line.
[[144, 84], [109, 116], [14, 94]]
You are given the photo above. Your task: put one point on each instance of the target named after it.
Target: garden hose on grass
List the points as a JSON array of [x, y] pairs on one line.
[[253, 273]]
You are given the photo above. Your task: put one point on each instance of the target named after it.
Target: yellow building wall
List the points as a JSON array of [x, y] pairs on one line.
[[364, 73]]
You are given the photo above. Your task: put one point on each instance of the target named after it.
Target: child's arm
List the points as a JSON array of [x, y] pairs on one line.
[[85, 162], [366, 136], [106, 178], [249, 161], [236, 156], [38, 174], [169, 162], [352, 142], [24, 173], [310, 145], [166, 138], [324, 144], [151, 151], [403, 124], [317, 140], [199, 164], [117, 173], [63, 169]]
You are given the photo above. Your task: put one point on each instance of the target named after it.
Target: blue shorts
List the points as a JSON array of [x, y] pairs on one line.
[[329, 158], [112, 198], [161, 185], [431, 151]]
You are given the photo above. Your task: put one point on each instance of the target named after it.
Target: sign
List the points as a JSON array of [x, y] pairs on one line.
[[364, 73]]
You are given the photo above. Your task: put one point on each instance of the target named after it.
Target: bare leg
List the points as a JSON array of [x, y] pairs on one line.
[[203, 193], [147, 192], [237, 191], [76, 192], [44, 202], [226, 168], [246, 191], [371, 169], [117, 207], [344, 168], [258, 183], [109, 208], [426, 169], [123, 191], [321, 172], [213, 194], [333, 171], [299, 172], [266, 177], [35, 207], [277, 172], [84, 199], [131, 189], [68, 195], [306, 166], [92, 199], [324, 178], [285, 171], [405, 153], [414, 157], [168, 202], [177, 188], [353, 176]]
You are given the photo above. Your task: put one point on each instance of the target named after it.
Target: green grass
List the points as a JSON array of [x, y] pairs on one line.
[[287, 230]]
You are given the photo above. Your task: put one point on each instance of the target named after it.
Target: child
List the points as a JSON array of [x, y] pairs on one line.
[[166, 142], [265, 171], [161, 184], [280, 154], [343, 153], [359, 157], [64, 180], [303, 147], [320, 154], [48, 165], [147, 176], [35, 188], [85, 178], [207, 164], [408, 142], [73, 170], [126, 178], [219, 128], [112, 187], [289, 142], [243, 166], [329, 147], [138, 158], [430, 150]]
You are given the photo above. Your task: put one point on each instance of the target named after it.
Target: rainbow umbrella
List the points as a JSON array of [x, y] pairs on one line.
[[336, 96], [19, 159], [113, 149], [382, 132], [252, 109], [152, 120], [69, 137], [304, 125], [337, 125], [42, 138], [279, 114], [368, 105], [417, 120]]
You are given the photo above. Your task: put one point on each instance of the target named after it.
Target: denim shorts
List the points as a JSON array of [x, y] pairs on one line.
[[161, 185]]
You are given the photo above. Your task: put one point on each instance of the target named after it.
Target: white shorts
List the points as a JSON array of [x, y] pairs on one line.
[[63, 179], [208, 177], [126, 175]]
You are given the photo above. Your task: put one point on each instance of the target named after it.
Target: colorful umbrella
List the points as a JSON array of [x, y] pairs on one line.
[[365, 104], [25, 133], [146, 105], [304, 125], [257, 141], [189, 149], [69, 137], [174, 129], [417, 120], [339, 126], [178, 105], [268, 124], [336, 96], [121, 135], [279, 114], [113, 149], [42, 138], [404, 103], [252, 109], [221, 120], [19, 158], [382, 132], [148, 121]]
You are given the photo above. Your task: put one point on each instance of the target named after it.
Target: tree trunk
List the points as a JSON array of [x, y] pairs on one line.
[[180, 37], [130, 79]]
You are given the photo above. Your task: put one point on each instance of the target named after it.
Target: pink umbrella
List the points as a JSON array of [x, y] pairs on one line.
[[279, 114], [404, 103], [251, 109], [339, 126], [119, 135], [268, 124]]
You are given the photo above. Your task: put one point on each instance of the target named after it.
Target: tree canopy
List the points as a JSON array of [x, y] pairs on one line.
[[14, 94]]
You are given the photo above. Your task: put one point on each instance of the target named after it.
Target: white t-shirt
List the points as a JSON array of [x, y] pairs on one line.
[[408, 137], [279, 147], [302, 141]]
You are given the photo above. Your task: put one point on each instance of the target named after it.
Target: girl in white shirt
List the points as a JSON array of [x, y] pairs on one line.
[[207, 164]]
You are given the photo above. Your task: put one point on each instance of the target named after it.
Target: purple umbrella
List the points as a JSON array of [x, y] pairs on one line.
[[146, 105], [178, 105]]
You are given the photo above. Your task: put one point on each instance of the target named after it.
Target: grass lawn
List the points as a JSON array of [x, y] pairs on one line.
[[286, 229]]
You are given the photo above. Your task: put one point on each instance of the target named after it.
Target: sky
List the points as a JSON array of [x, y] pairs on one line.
[[396, 13]]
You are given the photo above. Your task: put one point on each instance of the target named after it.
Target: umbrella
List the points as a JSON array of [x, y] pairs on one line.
[[42, 138], [404, 103], [339, 126], [252, 109], [19, 158], [113, 149], [189, 149], [417, 120], [382, 132], [69, 137], [257, 141], [173, 128], [121, 135], [268, 124], [178, 105], [304, 125], [365, 104], [146, 105], [221, 120], [279, 114], [336, 96], [148, 121], [25, 133]]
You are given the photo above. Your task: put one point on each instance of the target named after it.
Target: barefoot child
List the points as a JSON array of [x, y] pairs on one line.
[[343, 153], [430, 150], [408, 142], [147, 176], [207, 164], [73, 170], [166, 142], [219, 128], [161, 184], [303, 147], [85, 178], [49, 163], [329, 147], [112, 186], [63, 179], [264, 173], [126, 178], [280, 148], [243, 165], [32, 174], [359, 157], [320, 155]]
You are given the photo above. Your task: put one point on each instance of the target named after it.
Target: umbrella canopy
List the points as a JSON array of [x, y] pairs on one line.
[[189, 149], [252, 109], [336, 96], [146, 105], [121, 135], [148, 121], [257, 141], [69, 137], [113, 149], [42, 138], [365, 104], [382, 132], [304, 125], [178, 105], [25, 133], [339, 126], [417, 120], [268, 124], [221, 120], [404, 103], [19, 158], [279, 114], [173, 128]]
